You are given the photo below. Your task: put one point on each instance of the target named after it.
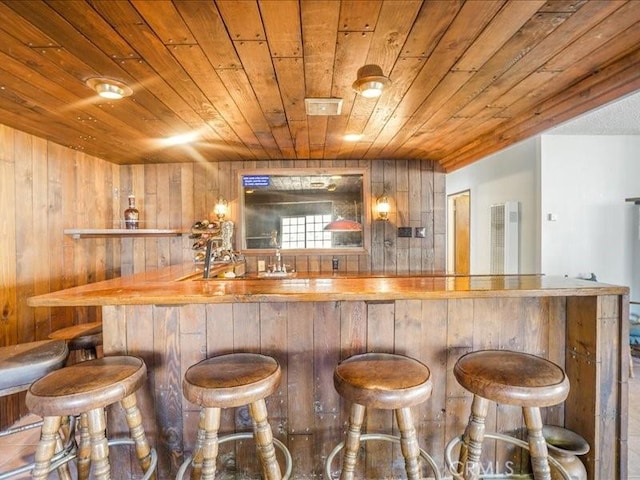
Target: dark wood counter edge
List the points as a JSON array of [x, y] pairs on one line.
[[163, 287]]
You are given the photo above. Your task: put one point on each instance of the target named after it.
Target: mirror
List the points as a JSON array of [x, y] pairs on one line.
[[304, 211]]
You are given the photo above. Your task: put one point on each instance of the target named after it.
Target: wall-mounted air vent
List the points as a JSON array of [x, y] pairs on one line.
[[505, 244], [323, 106]]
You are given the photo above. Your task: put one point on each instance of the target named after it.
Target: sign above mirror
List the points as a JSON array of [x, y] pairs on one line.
[[304, 210]]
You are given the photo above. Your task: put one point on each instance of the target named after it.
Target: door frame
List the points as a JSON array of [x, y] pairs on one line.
[[451, 229]]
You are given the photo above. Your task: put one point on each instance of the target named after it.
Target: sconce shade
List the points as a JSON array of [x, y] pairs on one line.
[[220, 209], [342, 225], [382, 207], [371, 82]]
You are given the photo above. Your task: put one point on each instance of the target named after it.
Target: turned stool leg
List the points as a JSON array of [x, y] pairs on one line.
[[63, 434], [99, 444], [62, 439], [471, 447], [408, 443], [87, 354], [537, 444], [50, 443], [264, 440], [196, 459], [352, 443], [210, 443], [134, 421], [46, 447], [84, 449], [62, 470]]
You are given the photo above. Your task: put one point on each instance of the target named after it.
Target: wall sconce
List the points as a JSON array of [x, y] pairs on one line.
[[221, 207], [383, 207], [371, 82]]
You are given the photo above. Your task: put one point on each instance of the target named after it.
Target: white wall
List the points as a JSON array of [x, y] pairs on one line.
[[509, 175], [581, 179], [584, 182]]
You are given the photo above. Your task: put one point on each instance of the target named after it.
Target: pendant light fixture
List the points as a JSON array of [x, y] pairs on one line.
[[371, 81], [343, 225]]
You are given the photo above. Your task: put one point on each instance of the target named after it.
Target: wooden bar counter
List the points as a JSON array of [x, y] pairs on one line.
[[173, 319]]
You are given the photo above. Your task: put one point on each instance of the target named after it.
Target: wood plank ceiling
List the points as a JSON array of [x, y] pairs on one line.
[[468, 77]]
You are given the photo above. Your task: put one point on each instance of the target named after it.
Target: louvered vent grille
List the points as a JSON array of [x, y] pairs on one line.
[[505, 249]]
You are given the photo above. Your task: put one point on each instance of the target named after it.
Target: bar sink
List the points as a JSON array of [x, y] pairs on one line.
[[276, 274]]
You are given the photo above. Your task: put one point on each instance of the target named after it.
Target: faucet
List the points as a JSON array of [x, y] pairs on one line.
[[207, 258], [279, 266]]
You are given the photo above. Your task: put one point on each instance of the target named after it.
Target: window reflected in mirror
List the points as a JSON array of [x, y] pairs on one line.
[[303, 209]]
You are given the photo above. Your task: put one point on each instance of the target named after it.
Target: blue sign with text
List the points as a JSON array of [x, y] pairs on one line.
[[255, 181]]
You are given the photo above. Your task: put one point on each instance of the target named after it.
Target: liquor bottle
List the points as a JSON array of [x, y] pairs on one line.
[[131, 214]]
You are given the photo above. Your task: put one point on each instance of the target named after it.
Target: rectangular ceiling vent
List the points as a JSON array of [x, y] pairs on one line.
[[323, 106]]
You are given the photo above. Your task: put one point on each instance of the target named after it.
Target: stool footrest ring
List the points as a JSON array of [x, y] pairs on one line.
[[379, 436], [21, 428], [238, 436], [495, 436]]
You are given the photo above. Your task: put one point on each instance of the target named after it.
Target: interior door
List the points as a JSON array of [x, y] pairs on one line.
[[461, 232]]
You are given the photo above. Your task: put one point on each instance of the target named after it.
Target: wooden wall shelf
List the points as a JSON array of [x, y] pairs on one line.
[[122, 232]]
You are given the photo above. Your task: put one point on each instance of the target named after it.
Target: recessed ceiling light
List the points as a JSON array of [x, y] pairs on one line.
[[353, 137], [110, 89]]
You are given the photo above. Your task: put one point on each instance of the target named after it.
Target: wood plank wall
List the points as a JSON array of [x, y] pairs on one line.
[[416, 190], [46, 187]]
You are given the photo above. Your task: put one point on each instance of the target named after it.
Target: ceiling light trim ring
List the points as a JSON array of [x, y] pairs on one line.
[[371, 81], [109, 88]]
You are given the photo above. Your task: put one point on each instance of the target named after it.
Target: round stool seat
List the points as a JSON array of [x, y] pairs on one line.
[[80, 337], [86, 386], [383, 380], [231, 380], [512, 378], [22, 364]]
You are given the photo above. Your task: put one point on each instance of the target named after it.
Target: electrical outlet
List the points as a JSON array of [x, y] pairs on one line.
[[404, 232], [420, 232]]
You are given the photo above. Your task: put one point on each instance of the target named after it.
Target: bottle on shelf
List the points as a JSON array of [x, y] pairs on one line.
[[131, 214]]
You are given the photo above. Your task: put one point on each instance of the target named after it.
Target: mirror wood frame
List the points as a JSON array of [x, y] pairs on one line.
[[366, 211]]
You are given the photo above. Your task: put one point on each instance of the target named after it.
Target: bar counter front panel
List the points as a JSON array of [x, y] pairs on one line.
[[575, 324]]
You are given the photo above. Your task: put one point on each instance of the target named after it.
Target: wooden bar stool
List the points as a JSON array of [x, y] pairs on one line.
[[85, 389], [20, 366], [84, 338], [386, 381], [227, 381], [510, 378]]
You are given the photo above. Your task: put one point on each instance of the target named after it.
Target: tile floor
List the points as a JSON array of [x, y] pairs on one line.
[[17, 449]]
